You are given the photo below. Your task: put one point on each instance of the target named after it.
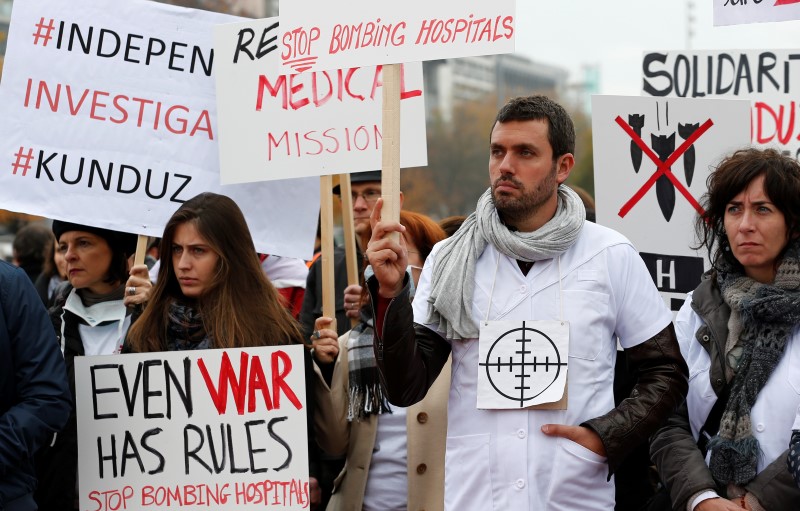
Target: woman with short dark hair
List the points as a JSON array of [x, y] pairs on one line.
[[725, 449], [91, 316]]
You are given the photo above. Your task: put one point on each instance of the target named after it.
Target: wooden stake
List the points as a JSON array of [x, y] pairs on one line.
[[326, 240], [349, 233], [141, 249], [390, 182]]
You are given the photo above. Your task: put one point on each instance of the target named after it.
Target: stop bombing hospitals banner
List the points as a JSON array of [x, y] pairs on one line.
[[651, 160], [325, 34], [274, 126], [734, 12], [205, 429], [770, 79], [109, 119]]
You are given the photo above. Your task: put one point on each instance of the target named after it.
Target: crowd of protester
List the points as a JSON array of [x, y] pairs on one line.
[[698, 413]]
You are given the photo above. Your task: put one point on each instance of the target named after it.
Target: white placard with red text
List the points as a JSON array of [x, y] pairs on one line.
[[274, 126], [325, 34], [109, 119], [735, 12], [769, 78], [637, 142], [204, 429]]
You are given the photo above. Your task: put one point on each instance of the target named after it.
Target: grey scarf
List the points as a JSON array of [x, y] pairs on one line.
[[453, 275], [769, 314]]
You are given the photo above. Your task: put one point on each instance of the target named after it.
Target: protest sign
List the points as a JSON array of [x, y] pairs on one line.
[[109, 119], [734, 12], [320, 34], [651, 160], [205, 429], [274, 126], [769, 78]]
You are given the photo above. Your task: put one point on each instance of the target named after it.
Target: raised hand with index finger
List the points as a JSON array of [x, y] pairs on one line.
[[387, 254]]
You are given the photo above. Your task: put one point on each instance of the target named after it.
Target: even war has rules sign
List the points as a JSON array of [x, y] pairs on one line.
[[111, 103], [206, 429], [277, 126], [768, 78], [651, 160], [734, 12], [321, 34]]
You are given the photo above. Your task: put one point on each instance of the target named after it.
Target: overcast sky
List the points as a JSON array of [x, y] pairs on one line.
[[614, 34]]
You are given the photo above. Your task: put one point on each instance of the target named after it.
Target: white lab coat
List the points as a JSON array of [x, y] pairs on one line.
[[500, 460], [777, 405]]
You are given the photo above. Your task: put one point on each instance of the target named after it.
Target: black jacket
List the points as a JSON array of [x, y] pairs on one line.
[[680, 463], [34, 400]]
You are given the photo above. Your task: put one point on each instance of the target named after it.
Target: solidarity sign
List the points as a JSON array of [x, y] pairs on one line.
[[769, 78], [733, 12], [109, 119], [211, 429]]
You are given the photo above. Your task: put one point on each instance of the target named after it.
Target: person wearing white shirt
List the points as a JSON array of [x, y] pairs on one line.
[[527, 276]]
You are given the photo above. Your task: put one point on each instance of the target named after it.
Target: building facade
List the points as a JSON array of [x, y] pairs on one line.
[[449, 82]]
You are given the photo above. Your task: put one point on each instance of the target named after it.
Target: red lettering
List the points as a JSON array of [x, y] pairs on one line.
[[280, 86], [257, 382], [96, 103], [74, 109], [278, 383], [120, 109], [276, 143], [404, 94], [315, 91], [227, 376], [347, 78], [784, 129], [294, 89], [203, 124], [180, 120]]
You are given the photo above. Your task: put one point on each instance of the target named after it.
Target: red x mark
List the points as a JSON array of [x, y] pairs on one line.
[[663, 167]]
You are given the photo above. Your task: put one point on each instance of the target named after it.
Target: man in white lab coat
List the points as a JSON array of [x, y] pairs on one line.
[[530, 300]]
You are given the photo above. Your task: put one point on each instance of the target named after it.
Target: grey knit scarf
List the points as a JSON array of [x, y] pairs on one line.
[[453, 273], [769, 314]]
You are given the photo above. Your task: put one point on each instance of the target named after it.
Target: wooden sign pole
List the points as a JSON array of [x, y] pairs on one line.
[[349, 234], [390, 181], [141, 249], [326, 242]]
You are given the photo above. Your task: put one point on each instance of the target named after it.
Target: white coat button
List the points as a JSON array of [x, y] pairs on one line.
[[759, 427], [520, 483], [521, 433], [523, 289]]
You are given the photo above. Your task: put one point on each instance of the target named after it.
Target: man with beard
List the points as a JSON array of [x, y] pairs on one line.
[[526, 269]]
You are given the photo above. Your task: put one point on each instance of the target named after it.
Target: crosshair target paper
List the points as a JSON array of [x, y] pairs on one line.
[[522, 363]]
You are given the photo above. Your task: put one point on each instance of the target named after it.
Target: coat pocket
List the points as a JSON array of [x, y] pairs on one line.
[[468, 476], [579, 480]]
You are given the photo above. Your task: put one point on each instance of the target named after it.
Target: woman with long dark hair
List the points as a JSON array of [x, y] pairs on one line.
[[212, 293]]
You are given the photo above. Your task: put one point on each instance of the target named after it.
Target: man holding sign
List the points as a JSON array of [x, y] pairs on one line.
[[530, 299]]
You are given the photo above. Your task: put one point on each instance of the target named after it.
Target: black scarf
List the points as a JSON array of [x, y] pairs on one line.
[[185, 329]]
